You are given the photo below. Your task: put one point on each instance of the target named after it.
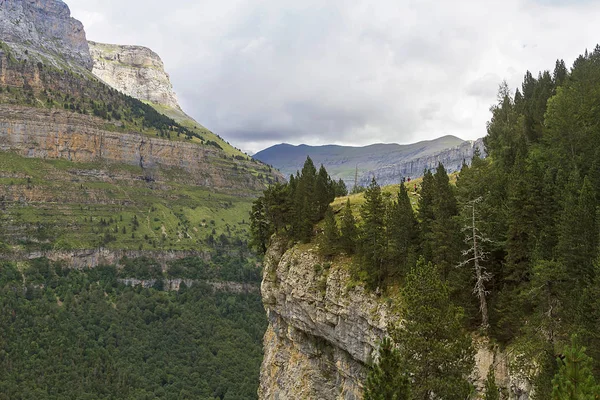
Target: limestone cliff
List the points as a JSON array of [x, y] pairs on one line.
[[451, 158], [44, 31], [46, 133], [323, 331], [134, 70]]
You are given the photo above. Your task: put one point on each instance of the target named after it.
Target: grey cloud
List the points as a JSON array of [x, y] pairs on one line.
[[261, 72], [485, 86]]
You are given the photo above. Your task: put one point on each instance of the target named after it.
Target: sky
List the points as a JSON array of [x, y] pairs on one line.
[[262, 72]]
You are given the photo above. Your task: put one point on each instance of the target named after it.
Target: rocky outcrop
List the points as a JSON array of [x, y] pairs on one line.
[[44, 31], [44, 133], [134, 70], [173, 285], [92, 258], [323, 331], [321, 334]]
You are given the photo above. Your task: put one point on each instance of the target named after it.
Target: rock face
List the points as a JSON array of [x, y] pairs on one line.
[[452, 159], [323, 331], [44, 27], [43, 133], [134, 70]]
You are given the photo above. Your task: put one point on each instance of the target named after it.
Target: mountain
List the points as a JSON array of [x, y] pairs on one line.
[[117, 152], [44, 30], [122, 224], [388, 163], [134, 70]]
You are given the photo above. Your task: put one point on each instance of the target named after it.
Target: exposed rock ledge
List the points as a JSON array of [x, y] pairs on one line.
[[44, 133], [83, 259], [175, 285], [134, 70], [322, 333]]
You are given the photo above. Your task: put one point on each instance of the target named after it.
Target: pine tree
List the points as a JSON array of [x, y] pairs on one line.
[[426, 214], [260, 228], [589, 317], [445, 239], [372, 237], [577, 237], [340, 188], [560, 73], [386, 380], [436, 352], [574, 380], [331, 235], [349, 231], [491, 389], [306, 206], [324, 191], [517, 268], [402, 233]]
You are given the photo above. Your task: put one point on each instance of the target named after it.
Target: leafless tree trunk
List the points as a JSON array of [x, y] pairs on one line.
[[476, 256]]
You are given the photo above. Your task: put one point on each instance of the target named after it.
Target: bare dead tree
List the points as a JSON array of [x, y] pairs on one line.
[[476, 256]]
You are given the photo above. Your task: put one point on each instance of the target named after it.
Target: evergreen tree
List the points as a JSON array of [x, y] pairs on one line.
[[560, 73], [340, 188], [517, 268], [436, 352], [445, 239], [372, 237], [491, 389], [402, 233], [324, 191], [574, 380], [386, 380], [589, 317], [307, 208], [331, 235], [260, 228], [426, 214], [349, 231], [577, 234]]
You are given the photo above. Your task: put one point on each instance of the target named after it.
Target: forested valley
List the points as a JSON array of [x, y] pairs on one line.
[[507, 249], [84, 334]]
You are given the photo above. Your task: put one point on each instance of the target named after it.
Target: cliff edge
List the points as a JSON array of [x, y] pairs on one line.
[[44, 31], [324, 331], [134, 70]]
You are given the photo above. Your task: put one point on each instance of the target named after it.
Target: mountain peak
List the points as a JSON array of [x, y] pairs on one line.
[[134, 70], [45, 27]]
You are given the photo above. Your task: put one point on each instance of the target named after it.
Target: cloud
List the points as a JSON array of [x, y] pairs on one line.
[[260, 72]]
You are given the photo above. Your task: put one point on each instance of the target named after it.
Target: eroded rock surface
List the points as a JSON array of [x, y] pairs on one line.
[[45, 27], [134, 70], [43, 133], [324, 331]]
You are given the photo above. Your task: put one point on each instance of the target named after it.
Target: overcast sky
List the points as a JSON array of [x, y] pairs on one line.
[[261, 72]]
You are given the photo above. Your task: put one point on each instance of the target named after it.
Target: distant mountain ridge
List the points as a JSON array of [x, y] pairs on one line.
[[388, 163]]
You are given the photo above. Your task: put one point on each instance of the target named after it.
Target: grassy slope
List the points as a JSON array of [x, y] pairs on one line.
[[185, 120], [68, 214]]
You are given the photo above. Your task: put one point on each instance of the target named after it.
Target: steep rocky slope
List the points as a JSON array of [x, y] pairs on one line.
[[44, 27], [388, 163], [76, 154], [323, 331], [134, 70], [40, 133]]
